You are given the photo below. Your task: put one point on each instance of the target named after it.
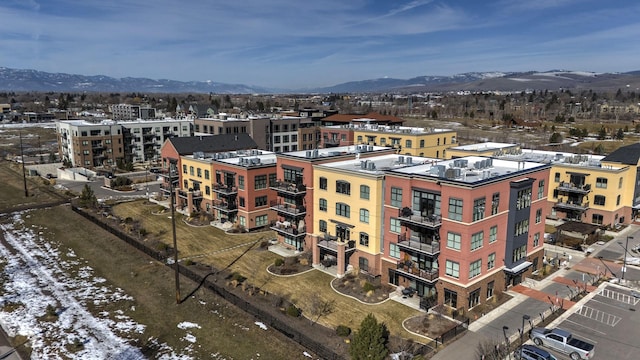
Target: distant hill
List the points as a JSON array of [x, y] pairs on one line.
[[33, 80]]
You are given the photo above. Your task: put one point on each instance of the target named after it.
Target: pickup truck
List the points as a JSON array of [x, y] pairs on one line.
[[561, 340]]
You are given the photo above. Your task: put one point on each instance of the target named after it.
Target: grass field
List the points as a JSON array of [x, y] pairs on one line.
[[12, 192], [212, 246], [224, 333]]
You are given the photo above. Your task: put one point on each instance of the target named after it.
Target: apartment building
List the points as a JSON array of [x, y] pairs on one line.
[[413, 141], [90, 145], [144, 138], [232, 186], [295, 187], [458, 230], [132, 112], [369, 118], [349, 213]]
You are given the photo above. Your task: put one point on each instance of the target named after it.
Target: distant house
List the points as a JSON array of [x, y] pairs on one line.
[[5, 108]]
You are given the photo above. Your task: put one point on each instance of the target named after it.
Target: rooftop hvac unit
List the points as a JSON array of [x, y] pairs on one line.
[[489, 162], [409, 160], [315, 153], [198, 155], [363, 164], [437, 170], [370, 148], [450, 173], [477, 165], [371, 165], [255, 161], [309, 154], [400, 159]]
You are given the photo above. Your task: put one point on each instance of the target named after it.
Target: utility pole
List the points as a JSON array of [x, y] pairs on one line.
[[24, 173], [172, 163]]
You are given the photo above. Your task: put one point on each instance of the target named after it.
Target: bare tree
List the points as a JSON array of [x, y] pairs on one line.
[[321, 307]]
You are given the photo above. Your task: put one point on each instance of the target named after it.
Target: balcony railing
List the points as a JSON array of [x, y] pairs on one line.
[[225, 189], [330, 243], [288, 209], [569, 187], [409, 269], [430, 248], [289, 187], [287, 228], [224, 206], [409, 216], [196, 194], [572, 205]]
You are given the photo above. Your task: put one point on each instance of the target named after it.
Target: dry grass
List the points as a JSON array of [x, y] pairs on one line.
[[224, 330], [12, 188], [212, 246]]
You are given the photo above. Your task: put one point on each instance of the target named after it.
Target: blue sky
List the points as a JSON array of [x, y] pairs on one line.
[[299, 43]]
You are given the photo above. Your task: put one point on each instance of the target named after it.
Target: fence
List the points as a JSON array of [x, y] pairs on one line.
[[452, 333], [279, 322]]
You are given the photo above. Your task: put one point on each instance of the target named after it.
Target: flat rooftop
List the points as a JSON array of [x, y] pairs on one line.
[[244, 158], [335, 151], [486, 146], [394, 129], [377, 165]]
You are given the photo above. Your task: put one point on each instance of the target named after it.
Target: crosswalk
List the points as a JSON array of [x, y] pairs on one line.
[[618, 296], [600, 316]]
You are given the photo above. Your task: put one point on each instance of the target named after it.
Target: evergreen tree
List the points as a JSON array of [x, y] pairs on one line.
[[370, 340], [88, 197]]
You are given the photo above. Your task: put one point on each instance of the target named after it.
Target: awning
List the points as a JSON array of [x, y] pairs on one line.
[[344, 225], [519, 268]]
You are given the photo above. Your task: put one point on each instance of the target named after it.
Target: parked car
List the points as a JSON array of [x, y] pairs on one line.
[[550, 238], [530, 352], [563, 341]]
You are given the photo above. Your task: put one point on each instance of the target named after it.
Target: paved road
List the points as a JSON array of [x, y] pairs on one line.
[[102, 192]]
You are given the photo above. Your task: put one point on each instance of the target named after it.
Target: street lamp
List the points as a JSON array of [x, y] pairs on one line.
[[525, 317], [506, 339], [624, 257]]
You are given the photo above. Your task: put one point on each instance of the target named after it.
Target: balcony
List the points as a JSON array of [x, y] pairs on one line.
[[407, 215], [289, 188], [413, 245], [165, 174], [286, 228], [196, 194], [330, 244], [98, 146], [225, 206], [572, 205], [288, 209], [571, 188], [411, 270], [225, 189]]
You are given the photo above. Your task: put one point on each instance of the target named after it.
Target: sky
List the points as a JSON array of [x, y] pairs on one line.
[[290, 44]]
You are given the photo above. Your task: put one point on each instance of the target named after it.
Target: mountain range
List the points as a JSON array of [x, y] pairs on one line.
[[34, 80]]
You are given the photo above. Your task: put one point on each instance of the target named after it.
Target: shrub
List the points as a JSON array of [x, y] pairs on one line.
[[188, 262], [368, 287], [293, 311], [343, 330], [51, 311], [237, 277], [279, 262]]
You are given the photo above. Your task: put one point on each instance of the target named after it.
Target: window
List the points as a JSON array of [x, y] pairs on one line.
[[395, 226], [364, 192], [524, 199], [495, 203], [493, 234], [363, 263], [538, 216], [323, 204], [241, 182], [620, 183], [407, 144], [261, 201], [199, 172], [556, 177], [323, 183], [396, 197], [455, 209], [522, 227], [453, 241], [207, 174], [601, 183], [476, 240], [540, 189], [243, 220], [364, 216], [276, 139], [343, 209], [618, 200], [191, 170], [272, 179], [394, 251], [241, 201], [599, 200], [421, 143], [359, 139], [262, 220], [343, 187], [184, 169], [474, 298], [491, 261], [364, 239], [207, 190], [490, 287], [475, 268], [452, 269], [478, 209], [322, 226], [292, 176], [597, 219], [536, 239], [260, 182], [519, 253], [451, 298]]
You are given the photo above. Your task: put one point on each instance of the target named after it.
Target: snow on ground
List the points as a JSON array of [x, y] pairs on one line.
[[37, 281]]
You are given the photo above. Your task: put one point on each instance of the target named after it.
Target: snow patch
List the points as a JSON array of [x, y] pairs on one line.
[[261, 325]]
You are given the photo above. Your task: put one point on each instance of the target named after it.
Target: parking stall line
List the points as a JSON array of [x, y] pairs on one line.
[[618, 296], [599, 316]]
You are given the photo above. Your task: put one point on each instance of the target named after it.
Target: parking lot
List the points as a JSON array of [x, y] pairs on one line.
[[610, 320]]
